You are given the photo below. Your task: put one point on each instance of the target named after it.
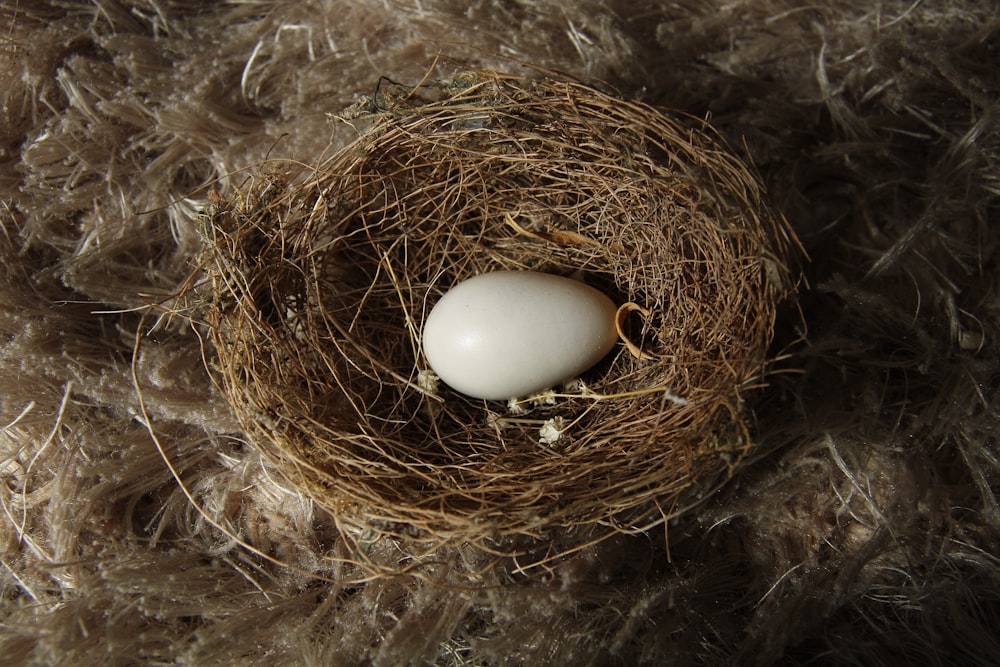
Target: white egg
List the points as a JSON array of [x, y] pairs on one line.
[[513, 333]]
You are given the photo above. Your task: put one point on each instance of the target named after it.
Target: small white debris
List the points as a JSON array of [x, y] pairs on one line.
[[547, 397], [551, 430], [495, 421], [514, 407], [428, 381], [675, 399]]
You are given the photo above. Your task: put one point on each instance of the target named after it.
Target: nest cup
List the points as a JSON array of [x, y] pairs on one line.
[[320, 279]]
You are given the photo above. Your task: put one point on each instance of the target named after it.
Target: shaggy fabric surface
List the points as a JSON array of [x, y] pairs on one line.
[[864, 529]]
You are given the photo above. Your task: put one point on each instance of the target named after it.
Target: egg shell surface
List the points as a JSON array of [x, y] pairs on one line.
[[509, 334]]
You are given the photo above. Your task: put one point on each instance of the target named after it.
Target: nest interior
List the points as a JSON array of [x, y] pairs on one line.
[[319, 279]]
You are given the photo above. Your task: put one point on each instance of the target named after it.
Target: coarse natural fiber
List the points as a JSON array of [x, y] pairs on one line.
[[318, 279], [861, 528]]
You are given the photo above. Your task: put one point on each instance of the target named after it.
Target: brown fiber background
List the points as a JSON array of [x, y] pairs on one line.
[[864, 528]]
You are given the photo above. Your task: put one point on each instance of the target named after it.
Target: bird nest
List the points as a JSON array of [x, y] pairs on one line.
[[319, 280]]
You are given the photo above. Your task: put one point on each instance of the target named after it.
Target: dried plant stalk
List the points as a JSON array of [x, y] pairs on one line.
[[320, 279]]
